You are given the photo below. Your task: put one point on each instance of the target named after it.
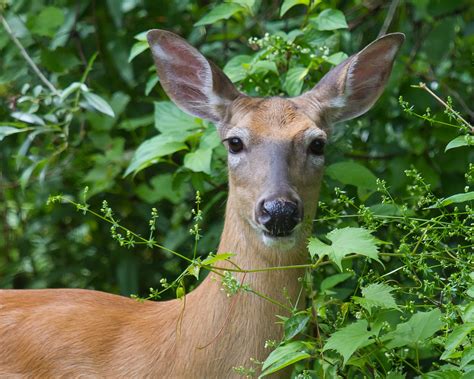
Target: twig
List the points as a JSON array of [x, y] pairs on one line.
[[446, 105], [388, 18], [28, 59]]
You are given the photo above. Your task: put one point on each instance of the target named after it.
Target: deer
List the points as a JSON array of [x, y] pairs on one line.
[[275, 168]]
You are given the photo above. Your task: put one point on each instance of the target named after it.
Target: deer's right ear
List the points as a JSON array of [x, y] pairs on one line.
[[195, 84]]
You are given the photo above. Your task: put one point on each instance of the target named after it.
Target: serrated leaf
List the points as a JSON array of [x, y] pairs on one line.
[[347, 340], [283, 356], [294, 80], [418, 328], [9, 130], [456, 338], [220, 12], [288, 4], [98, 103], [344, 242], [138, 48], [377, 295], [464, 140], [330, 19], [295, 325], [150, 151], [352, 173]]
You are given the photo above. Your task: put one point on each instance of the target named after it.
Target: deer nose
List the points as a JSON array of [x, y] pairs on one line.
[[279, 216]]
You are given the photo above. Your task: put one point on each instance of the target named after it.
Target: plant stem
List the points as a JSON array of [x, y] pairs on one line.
[[28, 59]]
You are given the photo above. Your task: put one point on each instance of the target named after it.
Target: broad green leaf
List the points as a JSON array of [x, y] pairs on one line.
[[295, 325], [467, 357], [211, 259], [376, 295], [262, 67], [283, 356], [344, 242], [330, 19], [150, 151], [288, 4], [238, 67], [352, 173], [28, 118], [347, 340], [9, 130], [160, 188], [46, 22], [333, 280], [199, 160], [151, 83], [138, 48], [456, 338], [294, 80], [447, 372], [464, 140], [138, 122], [169, 118], [96, 102], [336, 58], [418, 328], [220, 12], [458, 198]]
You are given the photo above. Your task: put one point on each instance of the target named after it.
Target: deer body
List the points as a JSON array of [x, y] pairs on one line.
[[275, 169]]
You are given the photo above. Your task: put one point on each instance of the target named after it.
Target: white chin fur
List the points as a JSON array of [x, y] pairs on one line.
[[281, 243]]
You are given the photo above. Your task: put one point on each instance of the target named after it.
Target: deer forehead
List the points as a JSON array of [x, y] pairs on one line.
[[270, 119]]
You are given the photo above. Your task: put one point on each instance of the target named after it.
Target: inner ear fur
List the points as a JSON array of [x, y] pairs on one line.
[[351, 88], [195, 85]]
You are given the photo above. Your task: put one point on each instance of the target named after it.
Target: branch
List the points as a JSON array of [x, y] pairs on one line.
[[28, 59], [388, 18]]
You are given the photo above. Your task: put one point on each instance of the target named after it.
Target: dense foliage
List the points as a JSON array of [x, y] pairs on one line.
[[391, 282]]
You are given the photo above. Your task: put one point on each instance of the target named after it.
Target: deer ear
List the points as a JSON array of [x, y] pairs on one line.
[[351, 88], [194, 84]]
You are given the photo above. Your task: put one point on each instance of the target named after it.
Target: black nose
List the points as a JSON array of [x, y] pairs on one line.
[[279, 216]]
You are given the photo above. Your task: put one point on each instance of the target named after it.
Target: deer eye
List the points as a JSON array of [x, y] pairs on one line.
[[316, 147], [235, 145]]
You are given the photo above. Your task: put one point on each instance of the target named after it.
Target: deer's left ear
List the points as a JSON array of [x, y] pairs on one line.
[[351, 88], [195, 84]]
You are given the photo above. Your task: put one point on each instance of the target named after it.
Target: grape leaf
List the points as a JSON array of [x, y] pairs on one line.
[[376, 295], [344, 242]]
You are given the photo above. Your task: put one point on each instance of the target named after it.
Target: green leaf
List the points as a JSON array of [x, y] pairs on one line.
[[160, 188], [456, 338], [464, 140], [344, 242], [96, 102], [376, 295], [220, 12], [288, 4], [169, 118], [421, 326], [458, 198], [211, 259], [347, 340], [150, 151], [337, 58], [138, 48], [295, 325], [333, 280], [330, 19], [9, 130], [151, 83], [283, 356], [238, 67], [199, 160], [262, 67], [294, 80], [46, 22], [28, 118], [352, 173]]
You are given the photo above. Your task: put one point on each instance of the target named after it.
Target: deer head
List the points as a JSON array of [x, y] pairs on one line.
[[276, 145]]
